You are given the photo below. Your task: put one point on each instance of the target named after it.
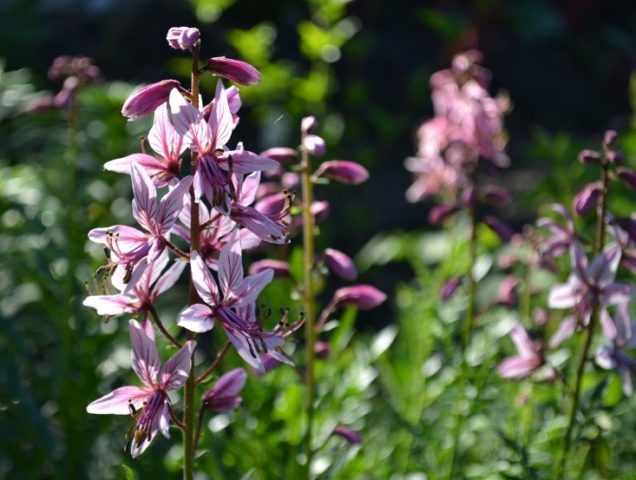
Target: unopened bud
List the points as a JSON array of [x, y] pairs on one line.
[[279, 267], [283, 155], [609, 139], [449, 288], [350, 436], [314, 145], [343, 171], [340, 263], [614, 157], [364, 297], [322, 350], [628, 176], [586, 199], [223, 396], [234, 70], [503, 231], [439, 213], [146, 100], [589, 156], [183, 38], [308, 124]]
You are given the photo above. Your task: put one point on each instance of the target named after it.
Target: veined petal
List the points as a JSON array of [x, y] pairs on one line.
[[248, 188], [196, 318], [175, 371], [250, 288], [245, 162], [145, 198], [203, 281], [119, 400], [172, 204], [111, 304], [262, 226], [152, 165], [168, 279], [603, 268], [523, 342], [617, 293], [562, 296], [221, 122], [125, 238], [230, 267], [163, 137], [565, 331], [189, 123], [144, 358]]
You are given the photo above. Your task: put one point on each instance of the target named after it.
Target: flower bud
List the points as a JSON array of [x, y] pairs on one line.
[[495, 195], [183, 38], [628, 176], [314, 145], [503, 231], [322, 350], [343, 171], [280, 268], [586, 199], [340, 264], [506, 292], [540, 316], [364, 297], [615, 158], [308, 124], [272, 205], [609, 139], [439, 213], [629, 225], [223, 396], [234, 70], [449, 288], [349, 435], [283, 155], [289, 180], [320, 209], [468, 196], [146, 100], [587, 157]]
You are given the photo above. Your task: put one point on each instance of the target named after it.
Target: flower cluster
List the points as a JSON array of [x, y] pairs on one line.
[[204, 218]]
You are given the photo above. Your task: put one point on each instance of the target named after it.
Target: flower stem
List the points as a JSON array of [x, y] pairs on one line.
[[468, 328], [589, 334], [308, 301], [215, 364], [160, 326], [188, 411]]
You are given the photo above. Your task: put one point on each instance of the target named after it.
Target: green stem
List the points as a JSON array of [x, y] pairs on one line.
[[189, 407], [594, 318], [308, 301], [468, 328]]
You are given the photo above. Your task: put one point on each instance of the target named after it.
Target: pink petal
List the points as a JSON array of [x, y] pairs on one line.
[[145, 197], [175, 371], [203, 281], [249, 187], [525, 346], [196, 318], [249, 289], [127, 238], [230, 266], [119, 400], [246, 162], [221, 122], [562, 296], [111, 304], [565, 331], [172, 204], [603, 268], [518, 367], [144, 358], [189, 123], [169, 278], [163, 137]]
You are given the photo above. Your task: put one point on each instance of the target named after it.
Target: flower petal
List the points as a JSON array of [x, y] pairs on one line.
[[119, 400], [189, 123], [175, 371], [196, 318], [111, 304], [203, 281], [144, 358], [145, 197]]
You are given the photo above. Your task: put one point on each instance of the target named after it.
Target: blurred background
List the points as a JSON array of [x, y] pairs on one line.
[[361, 67]]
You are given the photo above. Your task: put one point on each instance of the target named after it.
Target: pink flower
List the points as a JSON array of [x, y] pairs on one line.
[[152, 397], [232, 304], [529, 359], [560, 236], [143, 295], [340, 263], [168, 145], [590, 283], [131, 249]]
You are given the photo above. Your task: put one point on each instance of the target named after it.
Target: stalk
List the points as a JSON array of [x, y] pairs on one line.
[[468, 328], [589, 334], [188, 411], [308, 300]]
